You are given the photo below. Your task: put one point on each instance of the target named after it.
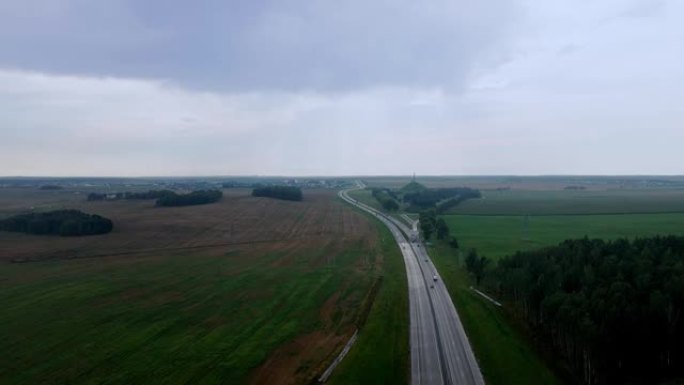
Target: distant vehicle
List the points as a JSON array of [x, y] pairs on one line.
[[434, 277], [426, 260], [432, 286]]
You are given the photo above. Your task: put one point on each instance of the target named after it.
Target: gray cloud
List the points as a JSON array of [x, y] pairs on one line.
[[247, 45], [118, 87]]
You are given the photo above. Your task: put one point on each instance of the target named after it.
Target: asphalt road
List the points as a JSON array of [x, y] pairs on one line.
[[440, 351]]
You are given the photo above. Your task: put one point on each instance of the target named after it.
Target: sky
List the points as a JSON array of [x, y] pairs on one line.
[[291, 87]]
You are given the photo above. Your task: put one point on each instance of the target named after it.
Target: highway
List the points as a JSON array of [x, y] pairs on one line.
[[440, 351]]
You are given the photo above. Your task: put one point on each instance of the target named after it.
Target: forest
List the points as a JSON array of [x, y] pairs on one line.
[[60, 222], [611, 309], [198, 197], [288, 193]]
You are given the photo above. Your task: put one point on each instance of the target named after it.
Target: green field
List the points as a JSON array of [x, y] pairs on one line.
[[496, 236], [504, 354], [181, 319], [529, 202]]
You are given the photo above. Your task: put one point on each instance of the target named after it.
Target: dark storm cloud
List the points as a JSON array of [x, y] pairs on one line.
[[258, 45]]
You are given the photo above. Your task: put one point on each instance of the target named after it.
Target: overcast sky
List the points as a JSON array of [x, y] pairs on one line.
[[354, 87]]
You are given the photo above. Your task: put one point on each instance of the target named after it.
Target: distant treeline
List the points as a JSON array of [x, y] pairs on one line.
[[429, 198], [199, 197], [416, 198], [288, 193], [152, 194], [60, 222], [50, 187], [613, 309]]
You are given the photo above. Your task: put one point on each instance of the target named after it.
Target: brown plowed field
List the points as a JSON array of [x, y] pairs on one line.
[[141, 228]]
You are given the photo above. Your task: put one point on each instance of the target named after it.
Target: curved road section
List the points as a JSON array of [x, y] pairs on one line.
[[440, 351]]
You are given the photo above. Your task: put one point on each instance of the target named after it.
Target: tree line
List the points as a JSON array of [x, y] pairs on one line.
[[611, 309], [50, 187], [386, 199], [288, 193], [59, 222], [152, 194], [419, 198], [439, 198], [431, 224], [198, 197]]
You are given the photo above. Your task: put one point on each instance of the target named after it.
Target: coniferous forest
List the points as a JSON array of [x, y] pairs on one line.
[[611, 309]]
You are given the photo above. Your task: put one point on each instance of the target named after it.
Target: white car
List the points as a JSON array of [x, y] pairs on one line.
[[434, 277]]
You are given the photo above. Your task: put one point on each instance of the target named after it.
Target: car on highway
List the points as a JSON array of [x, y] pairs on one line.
[[434, 277]]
